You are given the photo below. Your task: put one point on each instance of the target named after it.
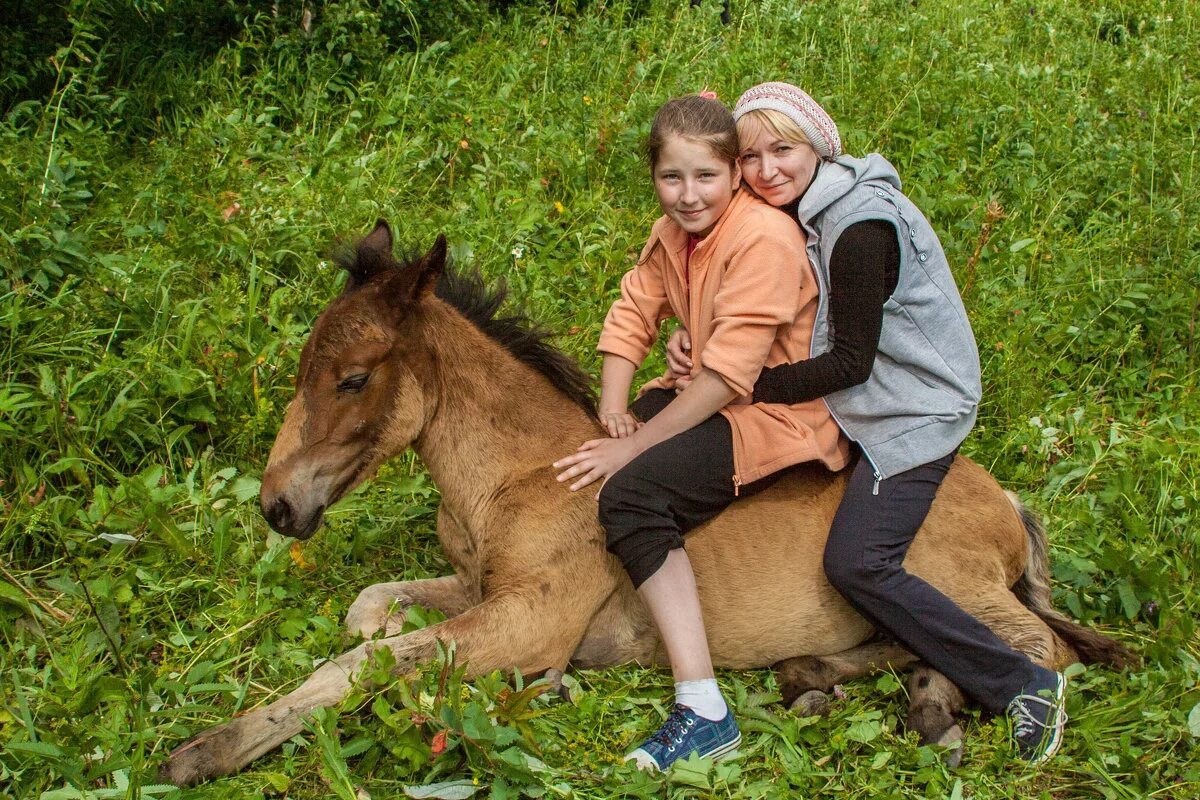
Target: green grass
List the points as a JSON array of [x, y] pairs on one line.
[[162, 231]]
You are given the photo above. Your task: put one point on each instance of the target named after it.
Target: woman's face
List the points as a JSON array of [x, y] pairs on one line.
[[778, 171], [694, 184]]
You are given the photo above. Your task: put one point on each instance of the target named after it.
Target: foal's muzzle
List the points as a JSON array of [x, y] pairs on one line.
[[285, 519]]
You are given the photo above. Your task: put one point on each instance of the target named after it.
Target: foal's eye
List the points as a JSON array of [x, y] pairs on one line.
[[354, 383]]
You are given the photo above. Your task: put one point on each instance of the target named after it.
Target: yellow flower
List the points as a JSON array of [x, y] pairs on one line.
[[559, 207]]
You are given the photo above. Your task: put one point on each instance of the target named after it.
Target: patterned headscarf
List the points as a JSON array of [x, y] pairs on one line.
[[795, 104]]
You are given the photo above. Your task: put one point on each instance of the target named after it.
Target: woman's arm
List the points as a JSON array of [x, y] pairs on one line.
[[863, 271]]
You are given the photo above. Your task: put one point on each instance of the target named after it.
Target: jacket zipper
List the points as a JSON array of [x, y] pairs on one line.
[[866, 455], [874, 469]]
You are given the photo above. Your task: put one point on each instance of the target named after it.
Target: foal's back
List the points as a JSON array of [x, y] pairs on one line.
[[762, 585]]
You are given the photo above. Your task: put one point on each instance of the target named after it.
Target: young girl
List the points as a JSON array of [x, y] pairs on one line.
[[733, 270], [894, 359]]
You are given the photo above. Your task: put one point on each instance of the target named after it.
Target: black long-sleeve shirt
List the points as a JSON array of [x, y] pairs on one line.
[[863, 271]]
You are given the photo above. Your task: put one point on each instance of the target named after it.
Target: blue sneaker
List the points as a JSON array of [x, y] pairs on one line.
[[685, 732], [1038, 720]]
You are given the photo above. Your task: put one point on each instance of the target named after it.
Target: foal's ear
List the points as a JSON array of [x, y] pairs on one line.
[[372, 255], [411, 284], [430, 268]]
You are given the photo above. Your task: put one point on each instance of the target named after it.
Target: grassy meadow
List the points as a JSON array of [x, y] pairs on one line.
[[171, 174]]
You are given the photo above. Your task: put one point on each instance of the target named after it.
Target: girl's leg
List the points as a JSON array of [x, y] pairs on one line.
[[645, 509], [671, 597], [864, 561]]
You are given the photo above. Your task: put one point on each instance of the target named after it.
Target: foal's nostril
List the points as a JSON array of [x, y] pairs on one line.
[[279, 515]]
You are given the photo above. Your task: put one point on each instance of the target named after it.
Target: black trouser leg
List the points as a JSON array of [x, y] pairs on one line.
[[648, 506], [863, 560]]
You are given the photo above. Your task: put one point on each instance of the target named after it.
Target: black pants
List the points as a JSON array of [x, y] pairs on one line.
[[675, 486], [870, 535]]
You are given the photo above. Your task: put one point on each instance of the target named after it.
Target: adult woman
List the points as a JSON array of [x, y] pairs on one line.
[[894, 359]]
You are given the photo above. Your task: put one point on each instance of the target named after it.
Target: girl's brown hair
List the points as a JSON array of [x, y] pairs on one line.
[[698, 118]]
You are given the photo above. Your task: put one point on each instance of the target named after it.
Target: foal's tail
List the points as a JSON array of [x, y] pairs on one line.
[[1033, 590]]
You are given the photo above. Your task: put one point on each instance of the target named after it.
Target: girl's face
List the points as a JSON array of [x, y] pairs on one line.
[[694, 184], [778, 171]]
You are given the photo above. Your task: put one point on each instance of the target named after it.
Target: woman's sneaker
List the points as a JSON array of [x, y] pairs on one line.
[[686, 732], [1038, 720]]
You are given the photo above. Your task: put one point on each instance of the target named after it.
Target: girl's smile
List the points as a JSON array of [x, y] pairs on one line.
[[694, 184]]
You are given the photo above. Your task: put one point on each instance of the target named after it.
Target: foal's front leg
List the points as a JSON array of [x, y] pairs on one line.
[[384, 606], [499, 633]]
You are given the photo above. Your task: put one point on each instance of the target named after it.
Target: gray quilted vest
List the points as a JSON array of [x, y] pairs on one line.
[[923, 393]]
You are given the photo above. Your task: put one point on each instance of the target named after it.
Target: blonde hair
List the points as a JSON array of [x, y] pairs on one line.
[[776, 123]]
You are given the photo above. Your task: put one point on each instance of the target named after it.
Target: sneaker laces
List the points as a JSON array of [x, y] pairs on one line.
[[673, 727], [1024, 722]]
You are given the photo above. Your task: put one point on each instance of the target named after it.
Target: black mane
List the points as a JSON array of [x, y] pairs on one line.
[[467, 292]]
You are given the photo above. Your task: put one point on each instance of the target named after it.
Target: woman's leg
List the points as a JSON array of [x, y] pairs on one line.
[[870, 536]]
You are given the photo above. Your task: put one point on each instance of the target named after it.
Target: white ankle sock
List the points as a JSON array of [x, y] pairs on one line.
[[703, 697]]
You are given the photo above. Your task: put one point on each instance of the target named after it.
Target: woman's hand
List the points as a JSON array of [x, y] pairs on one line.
[[679, 360], [619, 424], [597, 460]]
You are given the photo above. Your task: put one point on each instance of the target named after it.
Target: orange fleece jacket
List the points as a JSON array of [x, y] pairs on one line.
[[752, 302]]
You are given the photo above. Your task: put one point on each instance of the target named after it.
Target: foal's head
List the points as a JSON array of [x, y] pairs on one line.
[[358, 401]]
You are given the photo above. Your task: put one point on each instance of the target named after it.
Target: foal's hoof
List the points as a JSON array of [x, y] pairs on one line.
[[938, 727], [201, 757], [813, 703], [375, 612], [554, 677], [952, 743]]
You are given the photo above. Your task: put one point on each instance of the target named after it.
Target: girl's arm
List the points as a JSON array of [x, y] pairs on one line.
[[598, 459], [616, 377], [863, 271], [748, 309], [707, 394], [632, 323]]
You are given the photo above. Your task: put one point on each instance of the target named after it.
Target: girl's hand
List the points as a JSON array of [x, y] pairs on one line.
[[619, 424], [679, 360], [597, 460]]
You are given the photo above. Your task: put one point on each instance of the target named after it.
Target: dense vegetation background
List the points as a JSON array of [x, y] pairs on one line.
[[171, 171]]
